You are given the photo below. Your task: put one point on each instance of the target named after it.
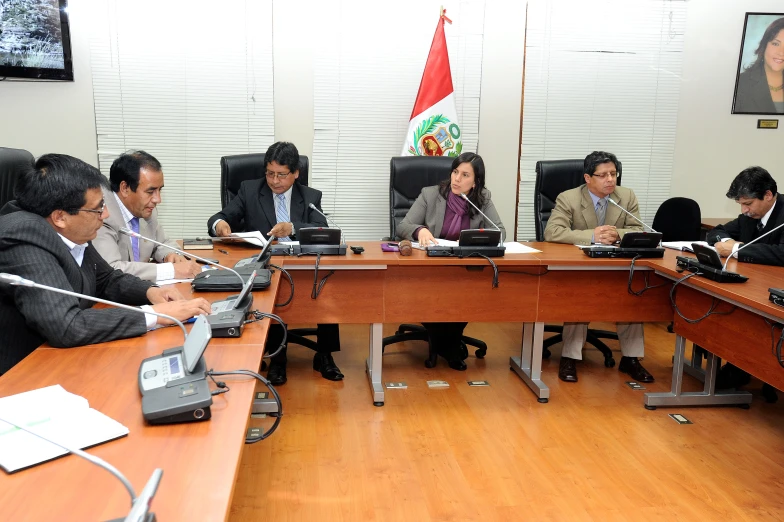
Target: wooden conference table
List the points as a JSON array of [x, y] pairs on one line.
[[200, 460]]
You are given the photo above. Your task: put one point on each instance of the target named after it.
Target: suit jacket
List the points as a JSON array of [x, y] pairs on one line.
[[254, 208], [767, 251], [753, 94], [429, 210], [116, 248], [30, 248], [573, 219]]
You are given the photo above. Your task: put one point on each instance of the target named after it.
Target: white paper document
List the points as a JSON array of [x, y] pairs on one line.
[[683, 245], [55, 414], [254, 238], [519, 248]]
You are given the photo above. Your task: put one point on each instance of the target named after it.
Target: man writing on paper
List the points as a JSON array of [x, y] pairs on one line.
[[45, 237], [136, 184], [279, 207], [762, 210], [583, 216]]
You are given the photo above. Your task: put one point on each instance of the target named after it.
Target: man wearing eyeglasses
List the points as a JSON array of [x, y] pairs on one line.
[[583, 216], [136, 179], [45, 236], [278, 207]]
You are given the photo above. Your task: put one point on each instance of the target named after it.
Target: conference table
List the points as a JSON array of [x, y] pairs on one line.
[[200, 460]]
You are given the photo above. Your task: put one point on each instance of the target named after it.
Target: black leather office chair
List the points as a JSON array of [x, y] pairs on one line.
[[678, 219], [242, 167], [552, 178], [12, 163], [408, 175]]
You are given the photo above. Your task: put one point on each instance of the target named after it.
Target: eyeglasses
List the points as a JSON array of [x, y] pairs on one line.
[[98, 211], [607, 174], [279, 175]]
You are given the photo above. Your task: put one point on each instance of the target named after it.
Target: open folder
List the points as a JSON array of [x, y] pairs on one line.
[[55, 414]]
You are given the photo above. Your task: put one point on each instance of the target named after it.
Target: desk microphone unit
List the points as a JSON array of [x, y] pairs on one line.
[[633, 244], [477, 241], [318, 240], [708, 264]]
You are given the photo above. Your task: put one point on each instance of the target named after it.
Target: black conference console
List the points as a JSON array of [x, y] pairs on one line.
[[709, 272]]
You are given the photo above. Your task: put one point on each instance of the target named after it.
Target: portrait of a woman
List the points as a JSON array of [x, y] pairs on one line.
[[760, 84]]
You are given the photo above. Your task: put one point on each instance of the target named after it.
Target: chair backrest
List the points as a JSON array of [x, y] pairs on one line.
[[12, 163], [552, 178], [678, 219], [242, 167], [408, 175]]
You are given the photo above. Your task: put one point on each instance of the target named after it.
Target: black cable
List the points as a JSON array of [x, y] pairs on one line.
[[291, 283], [540, 274], [265, 382], [714, 303], [645, 279], [258, 316], [775, 347], [317, 285], [220, 384], [492, 263]]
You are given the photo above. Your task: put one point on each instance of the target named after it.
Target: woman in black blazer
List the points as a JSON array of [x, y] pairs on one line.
[[761, 86]]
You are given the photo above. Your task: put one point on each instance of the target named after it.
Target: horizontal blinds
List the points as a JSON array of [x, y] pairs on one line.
[[365, 82], [188, 84], [602, 75]]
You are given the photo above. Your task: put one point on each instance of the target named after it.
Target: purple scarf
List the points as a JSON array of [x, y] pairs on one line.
[[456, 217]]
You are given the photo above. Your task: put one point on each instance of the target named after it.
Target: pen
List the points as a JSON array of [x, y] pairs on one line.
[[223, 251]]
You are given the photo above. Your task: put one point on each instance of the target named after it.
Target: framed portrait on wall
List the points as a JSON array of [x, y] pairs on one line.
[[759, 84]]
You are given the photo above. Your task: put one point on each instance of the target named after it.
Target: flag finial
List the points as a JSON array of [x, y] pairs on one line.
[[443, 15]]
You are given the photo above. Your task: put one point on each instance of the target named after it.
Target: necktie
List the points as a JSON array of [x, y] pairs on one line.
[[134, 222], [281, 212], [601, 211], [760, 226]]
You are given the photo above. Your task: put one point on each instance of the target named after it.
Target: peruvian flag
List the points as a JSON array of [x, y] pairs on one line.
[[434, 129]]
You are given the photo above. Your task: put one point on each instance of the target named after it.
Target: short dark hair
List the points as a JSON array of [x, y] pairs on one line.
[[475, 194], [769, 34], [752, 182], [128, 166], [284, 153], [596, 158], [57, 182]]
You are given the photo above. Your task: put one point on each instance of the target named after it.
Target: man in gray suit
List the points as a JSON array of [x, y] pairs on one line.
[[582, 216], [45, 237], [136, 181]]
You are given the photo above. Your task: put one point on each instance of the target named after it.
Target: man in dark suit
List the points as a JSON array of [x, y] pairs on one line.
[[45, 236], [762, 210], [279, 207]]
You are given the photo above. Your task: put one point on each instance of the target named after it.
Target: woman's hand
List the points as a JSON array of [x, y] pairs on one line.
[[425, 238]]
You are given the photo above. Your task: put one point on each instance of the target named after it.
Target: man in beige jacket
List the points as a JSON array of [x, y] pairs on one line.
[[582, 216]]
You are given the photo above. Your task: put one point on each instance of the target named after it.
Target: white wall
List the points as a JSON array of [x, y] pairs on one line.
[[712, 145], [55, 116]]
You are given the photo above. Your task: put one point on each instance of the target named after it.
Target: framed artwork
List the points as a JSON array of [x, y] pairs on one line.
[[759, 84]]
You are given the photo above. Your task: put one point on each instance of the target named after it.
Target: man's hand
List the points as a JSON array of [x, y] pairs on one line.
[[426, 237], [222, 229], [724, 248], [187, 269], [182, 310], [282, 230], [605, 234], [165, 294]]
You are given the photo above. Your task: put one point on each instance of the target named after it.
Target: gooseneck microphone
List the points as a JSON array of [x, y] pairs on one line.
[[15, 280], [632, 215], [342, 235], [503, 233], [749, 243], [129, 232], [140, 506]]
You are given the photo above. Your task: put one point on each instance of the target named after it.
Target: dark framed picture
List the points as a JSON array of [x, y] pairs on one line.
[[759, 84]]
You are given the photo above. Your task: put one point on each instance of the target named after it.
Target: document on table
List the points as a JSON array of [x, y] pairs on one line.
[[683, 245], [56, 414], [254, 238], [519, 248]]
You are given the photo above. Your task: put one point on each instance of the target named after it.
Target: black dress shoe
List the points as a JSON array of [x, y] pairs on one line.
[[457, 364], [567, 371], [730, 376], [632, 366], [324, 363], [277, 373]]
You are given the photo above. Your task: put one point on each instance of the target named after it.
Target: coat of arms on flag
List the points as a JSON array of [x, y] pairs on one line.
[[434, 129]]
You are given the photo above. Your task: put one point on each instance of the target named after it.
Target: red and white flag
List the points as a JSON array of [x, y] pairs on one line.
[[434, 129]]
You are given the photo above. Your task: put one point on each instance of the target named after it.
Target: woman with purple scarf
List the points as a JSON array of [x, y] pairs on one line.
[[441, 213]]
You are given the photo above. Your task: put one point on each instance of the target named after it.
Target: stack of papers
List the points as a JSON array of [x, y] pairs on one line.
[[55, 414], [254, 238]]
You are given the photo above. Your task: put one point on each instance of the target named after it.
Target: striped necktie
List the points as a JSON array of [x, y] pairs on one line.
[[134, 222], [281, 212], [601, 211]]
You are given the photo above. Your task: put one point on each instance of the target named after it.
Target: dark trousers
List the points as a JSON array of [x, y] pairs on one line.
[[445, 338], [328, 340]]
